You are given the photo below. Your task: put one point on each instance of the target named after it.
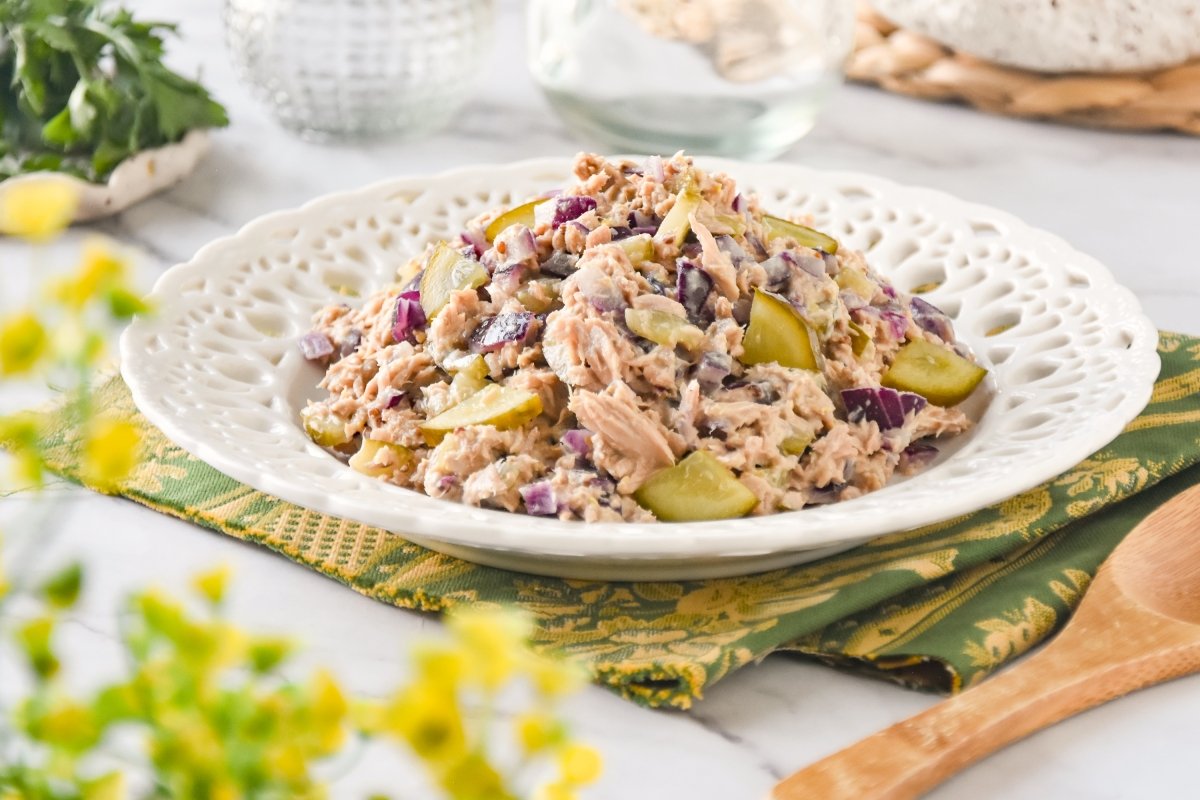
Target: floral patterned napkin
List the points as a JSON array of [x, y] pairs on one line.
[[937, 608]]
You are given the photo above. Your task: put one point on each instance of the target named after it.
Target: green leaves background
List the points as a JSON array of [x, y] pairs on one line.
[[83, 87]]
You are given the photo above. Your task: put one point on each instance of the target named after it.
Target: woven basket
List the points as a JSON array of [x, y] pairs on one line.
[[905, 62]]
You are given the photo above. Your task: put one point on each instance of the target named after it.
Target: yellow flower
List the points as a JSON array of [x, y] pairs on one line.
[[21, 434], [22, 343], [109, 787], [580, 764], [494, 641], [329, 709], [439, 665], [538, 731], [100, 269], [428, 718], [555, 678], [212, 584], [473, 778], [110, 453], [38, 209], [555, 791], [69, 725]]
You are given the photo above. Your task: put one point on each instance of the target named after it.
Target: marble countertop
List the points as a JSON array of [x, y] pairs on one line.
[[1133, 201]]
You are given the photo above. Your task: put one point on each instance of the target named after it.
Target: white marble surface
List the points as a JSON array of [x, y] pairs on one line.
[[1131, 200]]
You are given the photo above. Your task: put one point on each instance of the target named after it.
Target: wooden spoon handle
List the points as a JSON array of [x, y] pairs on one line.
[[911, 757]]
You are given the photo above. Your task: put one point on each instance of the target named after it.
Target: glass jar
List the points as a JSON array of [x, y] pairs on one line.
[[743, 78], [359, 66]]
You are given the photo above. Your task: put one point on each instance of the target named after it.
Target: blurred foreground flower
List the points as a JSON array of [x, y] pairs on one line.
[[38, 208], [207, 705]]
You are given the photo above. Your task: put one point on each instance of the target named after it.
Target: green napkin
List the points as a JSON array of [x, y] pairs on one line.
[[938, 608]]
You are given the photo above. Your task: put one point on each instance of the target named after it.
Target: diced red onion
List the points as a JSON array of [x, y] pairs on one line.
[[519, 245], [350, 343], [912, 403], [823, 495], [603, 484], [654, 169], [729, 246], [741, 310], [887, 408], [737, 203], [777, 270], [932, 319], [692, 289], [888, 290], [896, 321], [919, 454], [315, 346], [539, 499], [758, 245], [394, 399], [408, 316], [620, 232], [559, 264], [713, 369], [474, 237], [508, 278], [497, 331], [643, 223], [577, 441], [414, 285], [813, 265], [571, 207], [599, 289]]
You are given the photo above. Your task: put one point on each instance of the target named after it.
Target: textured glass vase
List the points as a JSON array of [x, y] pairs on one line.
[[359, 67]]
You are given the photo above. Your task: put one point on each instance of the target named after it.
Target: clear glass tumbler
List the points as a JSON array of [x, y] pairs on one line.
[[338, 67], [742, 78]]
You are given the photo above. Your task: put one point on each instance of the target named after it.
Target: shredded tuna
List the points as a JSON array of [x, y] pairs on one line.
[[640, 401]]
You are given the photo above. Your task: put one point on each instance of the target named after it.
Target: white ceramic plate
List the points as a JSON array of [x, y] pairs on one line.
[[218, 370]]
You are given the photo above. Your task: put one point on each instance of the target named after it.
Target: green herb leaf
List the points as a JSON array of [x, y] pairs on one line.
[[83, 87]]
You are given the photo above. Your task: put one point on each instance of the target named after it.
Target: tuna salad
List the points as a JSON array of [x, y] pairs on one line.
[[647, 343]]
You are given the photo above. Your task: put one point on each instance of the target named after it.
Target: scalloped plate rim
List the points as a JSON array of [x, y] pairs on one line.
[[702, 541]]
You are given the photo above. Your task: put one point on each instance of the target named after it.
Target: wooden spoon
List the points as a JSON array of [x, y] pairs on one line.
[[1138, 625]]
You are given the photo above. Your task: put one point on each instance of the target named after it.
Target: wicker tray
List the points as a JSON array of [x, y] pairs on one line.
[[905, 62]]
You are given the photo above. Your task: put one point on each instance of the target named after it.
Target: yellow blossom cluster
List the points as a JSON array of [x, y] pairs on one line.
[[61, 336], [210, 705]]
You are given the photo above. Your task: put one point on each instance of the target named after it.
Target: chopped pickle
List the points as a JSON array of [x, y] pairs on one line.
[[676, 225], [802, 234], [470, 378], [777, 333], [925, 288], [327, 430], [854, 280], [860, 340], [734, 223], [520, 215], [937, 373], [381, 459], [638, 248], [663, 328], [699, 487], [796, 444], [447, 272], [501, 406], [540, 296]]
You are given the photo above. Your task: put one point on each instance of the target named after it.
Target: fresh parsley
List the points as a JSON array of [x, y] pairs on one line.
[[83, 87]]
